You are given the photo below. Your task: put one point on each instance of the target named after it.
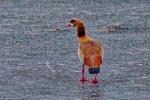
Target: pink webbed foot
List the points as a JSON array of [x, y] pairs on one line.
[[82, 79], [93, 81]]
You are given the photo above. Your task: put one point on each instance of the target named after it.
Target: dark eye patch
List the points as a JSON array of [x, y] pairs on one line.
[[72, 21]]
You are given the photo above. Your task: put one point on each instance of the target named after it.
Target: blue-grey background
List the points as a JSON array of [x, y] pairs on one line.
[[38, 55]]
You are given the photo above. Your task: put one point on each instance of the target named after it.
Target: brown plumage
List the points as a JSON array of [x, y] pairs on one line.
[[90, 51]]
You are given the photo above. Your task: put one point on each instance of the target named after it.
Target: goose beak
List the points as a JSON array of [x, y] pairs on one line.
[[68, 25]]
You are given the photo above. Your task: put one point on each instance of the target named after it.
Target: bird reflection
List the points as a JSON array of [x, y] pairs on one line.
[[91, 91]]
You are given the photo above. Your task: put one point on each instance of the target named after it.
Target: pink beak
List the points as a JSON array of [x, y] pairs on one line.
[[68, 25]]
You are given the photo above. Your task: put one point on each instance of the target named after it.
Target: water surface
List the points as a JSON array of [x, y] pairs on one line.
[[38, 62]]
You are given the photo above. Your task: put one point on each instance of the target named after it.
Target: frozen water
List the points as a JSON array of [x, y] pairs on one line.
[[38, 55]]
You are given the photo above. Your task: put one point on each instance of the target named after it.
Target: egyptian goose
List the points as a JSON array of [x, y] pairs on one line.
[[90, 51]]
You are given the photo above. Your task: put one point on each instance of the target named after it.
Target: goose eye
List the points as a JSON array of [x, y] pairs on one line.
[[72, 21]]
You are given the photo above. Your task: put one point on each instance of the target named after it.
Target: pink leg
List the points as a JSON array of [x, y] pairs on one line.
[[82, 77], [95, 79]]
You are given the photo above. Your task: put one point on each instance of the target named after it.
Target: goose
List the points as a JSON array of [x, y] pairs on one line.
[[90, 51]]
